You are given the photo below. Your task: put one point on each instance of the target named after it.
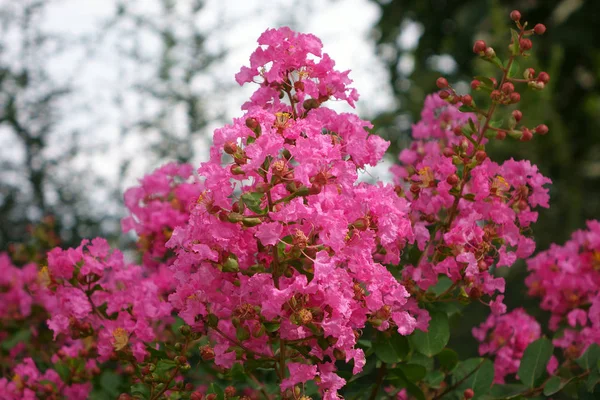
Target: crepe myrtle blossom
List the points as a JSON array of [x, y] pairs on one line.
[[566, 279], [283, 235]]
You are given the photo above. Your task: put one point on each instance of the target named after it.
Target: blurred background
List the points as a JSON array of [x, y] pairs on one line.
[[96, 93]]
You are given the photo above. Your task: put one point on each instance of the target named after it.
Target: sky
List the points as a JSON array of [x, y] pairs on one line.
[[92, 63]]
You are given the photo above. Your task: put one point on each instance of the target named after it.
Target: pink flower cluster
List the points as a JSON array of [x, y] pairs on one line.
[[28, 383], [16, 284], [567, 278], [283, 237], [468, 212], [91, 292], [506, 337]]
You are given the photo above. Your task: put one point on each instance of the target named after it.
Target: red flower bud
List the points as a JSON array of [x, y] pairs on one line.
[[527, 135], [475, 84], [452, 179], [494, 82], [525, 44], [508, 88], [230, 147], [543, 77], [448, 152], [495, 95], [467, 100], [539, 29], [479, 47], [444, 94], [501, 135], [441, 83], [541, 129], [515, 97], [468, 393], [529, 73], [517, 115], [457, 130], [515, 15], [480, 156], [490, 52]]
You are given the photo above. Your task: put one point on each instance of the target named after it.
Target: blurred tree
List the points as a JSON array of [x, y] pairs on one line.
[[421, 40], [49, 163]]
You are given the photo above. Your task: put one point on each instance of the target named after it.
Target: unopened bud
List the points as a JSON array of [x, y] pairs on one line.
[[515, 97], [480, 156], [501, 135], [507, 88], [517, 115], [230, 147], [457, 130], [475, 84], [452, 179], [541, 129], [525, 44], [539, 29], [448, 152], [490, 52], [444, 94], [441, 83], [468, 393], [515, 15], [479, 47], [207, 353], [543, 77], [529, 73], [310, 104], [527, 135], [467, 100]]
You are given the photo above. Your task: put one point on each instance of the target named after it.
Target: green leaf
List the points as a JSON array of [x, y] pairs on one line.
[[63, 371], [465, 109], [20, 336], [534, 361], [110, 382], [272, 326], [216, 390], [514, 46], [435, 378], [403, 382], [593, 380], [508, 390], [480, 374], [391, 349], [448, 359], [441, 286], [140, 389], [485, 81], [435, 339], [418, 358], [253, 201], [164, 366], [553, 385], [411, 372], [590, 358], [514, 69]]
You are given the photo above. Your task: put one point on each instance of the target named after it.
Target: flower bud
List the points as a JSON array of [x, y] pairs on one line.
[[529, 73], [457, 130], [196, 396], [515, 97], [467, 100], [480, 156], [515, 15], [475, 84], [207, 353], [539, 29], [490, 53], [441, 83], [525, 44], [507, 88], [444, 94], [527, 135], [541, 129], [339, 354], [310, 104], [229, 391], [468, 393], [448, 152], [543, 77], [452, 179], [230, 147], [517, 115], [501, 135], [479, 47], [496, 95], [299, 85], [185, 330]]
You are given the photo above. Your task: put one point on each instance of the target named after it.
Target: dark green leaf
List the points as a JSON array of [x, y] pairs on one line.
[[593, 380], [475, 373], [514, 69], [553, 385], [253, 201], [514, 46], [63, 371], [534, 361], [391, 349], [139, 389], [216, 390], [435, 339], [508, 390], [464, 108], [448, 359], [272, 326], [20, 336], [110, 382], [403, 382], [590, 358], [164, 366], [435, 378], [412, 372]]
